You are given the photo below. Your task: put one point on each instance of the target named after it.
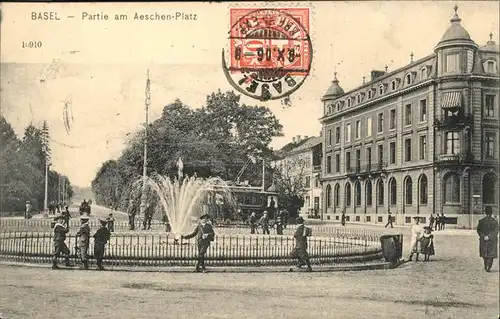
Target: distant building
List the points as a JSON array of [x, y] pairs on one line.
[[418, 140], [300, 161]]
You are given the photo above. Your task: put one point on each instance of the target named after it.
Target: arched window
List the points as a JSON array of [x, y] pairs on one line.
[[368, 189], [408, 79], [328, 195], [408, 191], [451, 188], [348, 194], [349, 101], [336, 192], [370, 94], [490, 66], [394, 85], [393, 191], [357, 193], [490, 191], [381, 89], [380, 192], [422, 189], [423, 73]]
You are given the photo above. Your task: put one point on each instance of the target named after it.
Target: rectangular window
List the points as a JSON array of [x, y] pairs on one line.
[[408, 114], [347, 161], [380, 153], [348, 133], [392, 122], [489, 105], [392, 150], [369, 157], [308, 181], [337, 135], [380, 126], [337, 163], [329, 142], [358, 160], [423, 110], [368, 127], [407, 150], [328, 164], [422, 147], [452, 143], [316, 182], [358, 129], [452, 63], [490, 144]]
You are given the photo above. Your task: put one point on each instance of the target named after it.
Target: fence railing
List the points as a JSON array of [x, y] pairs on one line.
[[230, 248]]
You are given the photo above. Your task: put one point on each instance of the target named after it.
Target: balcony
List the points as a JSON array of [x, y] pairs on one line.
[[453, 121], [461, 158], [364, 170]]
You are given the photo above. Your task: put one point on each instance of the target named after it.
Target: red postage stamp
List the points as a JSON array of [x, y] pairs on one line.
[[270, 51]]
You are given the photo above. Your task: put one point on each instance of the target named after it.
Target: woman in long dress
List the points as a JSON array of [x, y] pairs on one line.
[[416, 233]]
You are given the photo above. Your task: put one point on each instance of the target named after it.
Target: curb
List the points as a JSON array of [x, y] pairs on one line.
[[283, 269]]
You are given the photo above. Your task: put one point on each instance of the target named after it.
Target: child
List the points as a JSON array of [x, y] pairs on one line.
[[427, 243], [111, 223]]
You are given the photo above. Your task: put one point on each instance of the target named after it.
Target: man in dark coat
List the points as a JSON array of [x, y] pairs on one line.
[[148, 217], [264, 223], [66, 216], [101, 238], [342, 219], [487, 229], [131, 211], [60, 231], [389, 220], [204, 233], [253, 223], [83, 236], [279, 225], [300, 250], [443, 221]]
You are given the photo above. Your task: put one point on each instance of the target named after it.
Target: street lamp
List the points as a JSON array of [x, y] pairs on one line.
[[45, 200]]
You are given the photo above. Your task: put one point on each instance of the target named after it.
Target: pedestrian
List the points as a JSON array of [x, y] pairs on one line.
[[204, 233], [148, 216], [431, 220], [111, 223], [427, 243], [416, 233], [131, 211], [27, 210], [342, 219], [101, 238], [437, 222], [60, 230], [285, 216], [83, 237], [487, 229], [264, 223], [443, 221], [389, 220], [300, 249], [252, 221], [66, 216], [279, 226]]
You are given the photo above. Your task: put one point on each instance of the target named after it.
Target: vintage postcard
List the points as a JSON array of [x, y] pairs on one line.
[[318, 159]]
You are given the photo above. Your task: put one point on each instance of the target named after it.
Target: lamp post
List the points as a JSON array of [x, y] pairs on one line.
[[147, 102], [46, 195]]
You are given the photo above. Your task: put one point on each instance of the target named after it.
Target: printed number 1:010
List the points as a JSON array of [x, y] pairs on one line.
[[32, 44]]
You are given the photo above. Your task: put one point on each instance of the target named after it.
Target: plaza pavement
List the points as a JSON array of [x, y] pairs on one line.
[[452, 285]]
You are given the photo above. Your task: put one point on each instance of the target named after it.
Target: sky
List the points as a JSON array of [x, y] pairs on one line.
[[100, 66]]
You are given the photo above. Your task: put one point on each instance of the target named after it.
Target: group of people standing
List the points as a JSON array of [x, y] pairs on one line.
[[437, 222], [280, 222], [132, 211], [60, 227]]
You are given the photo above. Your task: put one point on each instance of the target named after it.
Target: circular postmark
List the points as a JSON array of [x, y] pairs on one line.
[[270, 52]]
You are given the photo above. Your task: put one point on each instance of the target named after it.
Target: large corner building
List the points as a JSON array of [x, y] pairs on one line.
[[419, 140]]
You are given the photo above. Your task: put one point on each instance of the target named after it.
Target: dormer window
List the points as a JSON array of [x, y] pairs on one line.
[[490, 66], [408, 79], [337, 106], [423, 73], [349, 102], [370, 94], [394, 84], [381, 89]]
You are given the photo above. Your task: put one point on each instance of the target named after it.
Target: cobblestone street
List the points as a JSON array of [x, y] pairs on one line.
[[452, 285]]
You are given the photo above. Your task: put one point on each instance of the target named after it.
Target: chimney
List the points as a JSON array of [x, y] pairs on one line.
[[293, 140], [376, 74], [299, 138], [306, 137]]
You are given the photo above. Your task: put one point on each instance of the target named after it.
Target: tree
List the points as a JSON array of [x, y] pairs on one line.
[[290, 182]]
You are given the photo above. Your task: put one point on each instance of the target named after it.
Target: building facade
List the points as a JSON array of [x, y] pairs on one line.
[[300, 163], [419, 140]]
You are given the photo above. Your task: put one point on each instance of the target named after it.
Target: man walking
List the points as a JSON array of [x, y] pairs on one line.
[[60, 231], [487, 229], [83, 237], [389, 220], [253, 223], [264, 223], [300, 250], [204, 233], [101, 238]]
